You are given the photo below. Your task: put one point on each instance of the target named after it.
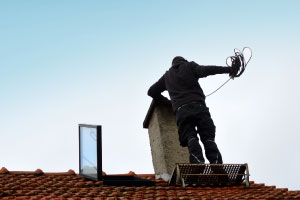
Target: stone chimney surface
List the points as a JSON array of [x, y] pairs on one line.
[[163, 134]]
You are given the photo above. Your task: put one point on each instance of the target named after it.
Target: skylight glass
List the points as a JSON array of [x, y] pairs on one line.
[[88, 137]]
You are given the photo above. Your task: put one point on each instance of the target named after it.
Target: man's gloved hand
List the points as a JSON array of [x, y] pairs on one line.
[[235, 67]]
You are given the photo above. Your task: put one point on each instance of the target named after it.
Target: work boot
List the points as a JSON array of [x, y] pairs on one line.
[[212, 152], [195, 151]]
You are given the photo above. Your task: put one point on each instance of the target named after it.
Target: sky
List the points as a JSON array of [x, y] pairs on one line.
[[63, 63]]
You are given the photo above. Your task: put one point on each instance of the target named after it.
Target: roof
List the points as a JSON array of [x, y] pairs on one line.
[[69, 185]]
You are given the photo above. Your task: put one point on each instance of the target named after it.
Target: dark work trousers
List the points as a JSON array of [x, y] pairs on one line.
[[193, 119]]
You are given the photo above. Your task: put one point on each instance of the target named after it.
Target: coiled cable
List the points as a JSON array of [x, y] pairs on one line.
[[240, 56]]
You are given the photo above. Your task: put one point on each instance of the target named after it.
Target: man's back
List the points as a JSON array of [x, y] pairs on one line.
[[182, 84]]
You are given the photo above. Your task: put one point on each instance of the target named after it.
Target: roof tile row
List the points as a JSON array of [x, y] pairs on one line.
[[69, 185]]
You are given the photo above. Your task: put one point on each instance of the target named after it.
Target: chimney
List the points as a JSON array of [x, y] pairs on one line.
[[163, 134]]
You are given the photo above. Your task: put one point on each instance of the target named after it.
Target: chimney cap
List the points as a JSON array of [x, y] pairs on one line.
[[154, 104]]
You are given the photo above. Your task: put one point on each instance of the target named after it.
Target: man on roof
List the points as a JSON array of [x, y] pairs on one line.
[[188, 102]]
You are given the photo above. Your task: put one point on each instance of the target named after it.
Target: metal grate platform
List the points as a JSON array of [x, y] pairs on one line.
[[210, 174]]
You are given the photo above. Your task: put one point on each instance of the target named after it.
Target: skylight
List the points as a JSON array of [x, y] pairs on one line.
[[90, 159], [90, 151]]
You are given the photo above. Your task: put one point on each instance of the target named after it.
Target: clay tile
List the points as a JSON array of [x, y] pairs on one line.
[[131, 173], [71, 172], [99, 183], [283, 189], [39, 172], [3, 170], [103, 173], [80, 184], [90, 183]]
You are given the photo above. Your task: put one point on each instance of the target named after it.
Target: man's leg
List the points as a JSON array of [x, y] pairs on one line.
[[206, 130], [188, 136], [212, 152], [195, 150]]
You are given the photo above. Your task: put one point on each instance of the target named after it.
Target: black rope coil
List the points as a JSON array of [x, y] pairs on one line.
[[237, 59]]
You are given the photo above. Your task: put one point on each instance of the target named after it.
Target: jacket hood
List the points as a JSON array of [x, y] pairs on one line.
[[178, 60]]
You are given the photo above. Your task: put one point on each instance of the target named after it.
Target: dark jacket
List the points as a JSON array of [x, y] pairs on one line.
[[181, 81]]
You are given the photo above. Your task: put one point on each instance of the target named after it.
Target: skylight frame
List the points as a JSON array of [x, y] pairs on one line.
[[99, 151]]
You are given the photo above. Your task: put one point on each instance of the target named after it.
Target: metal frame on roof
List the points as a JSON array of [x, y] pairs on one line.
[[210, 174]]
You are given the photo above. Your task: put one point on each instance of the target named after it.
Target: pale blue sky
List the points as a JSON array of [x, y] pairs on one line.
[[68, 62]]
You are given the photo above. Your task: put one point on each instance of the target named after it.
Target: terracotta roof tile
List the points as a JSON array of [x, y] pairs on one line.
[[69, 185], [3, 170]]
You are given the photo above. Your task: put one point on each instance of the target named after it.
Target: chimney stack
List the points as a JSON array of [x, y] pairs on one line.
[[163, 134]]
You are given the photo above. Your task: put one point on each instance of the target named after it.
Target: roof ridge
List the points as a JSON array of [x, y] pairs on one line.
[[38, 171], [4, 170]]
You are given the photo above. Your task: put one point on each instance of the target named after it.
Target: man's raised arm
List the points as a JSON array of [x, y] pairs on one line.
[[202, 71]]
